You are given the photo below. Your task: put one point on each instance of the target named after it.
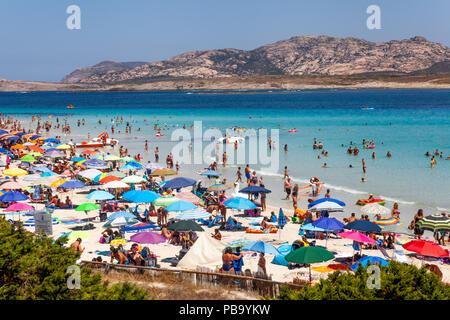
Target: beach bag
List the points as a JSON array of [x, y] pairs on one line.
[[102, 240]]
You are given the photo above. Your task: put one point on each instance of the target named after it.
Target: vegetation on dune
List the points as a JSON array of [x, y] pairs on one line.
[[35, 267], [397, 282]]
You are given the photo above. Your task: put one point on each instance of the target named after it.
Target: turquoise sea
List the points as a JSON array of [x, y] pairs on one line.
[[407, 123]]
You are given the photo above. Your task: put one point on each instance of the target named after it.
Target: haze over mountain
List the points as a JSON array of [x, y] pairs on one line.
[[304, 55]]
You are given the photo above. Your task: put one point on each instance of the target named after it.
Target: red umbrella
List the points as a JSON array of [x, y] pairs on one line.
[[425, 248], [338, 267]]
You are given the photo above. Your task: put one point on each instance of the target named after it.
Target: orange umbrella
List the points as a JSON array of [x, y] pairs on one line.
[[18, 147], [88, 152], [36, 149], [109, 179]]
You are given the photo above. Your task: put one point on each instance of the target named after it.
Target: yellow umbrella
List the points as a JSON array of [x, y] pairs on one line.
[[57, 183], [116, 242], [79, 163], [322, 269], [14, 172], [63, 147], [112, 158]]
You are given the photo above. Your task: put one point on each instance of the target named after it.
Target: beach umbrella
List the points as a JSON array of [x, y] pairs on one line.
[[88, 152], [110, 178], [40, 169], [127, 159], [118, 214], [148, 237], [329, 224], [115, 185], [99, 177], [117, 242], [77, 159], [141, 196], [28, 158], [436, 222], [99, 195], [254, 189], [386, 221], [10, 185], [96, 164], [198, 213], [280, 260], [117, 174], [163, 173], [133, 179], [57, 183], [185, 225], [72, 184], [356, 236], [111, 158], [33, 177], [263, 247], [86, 207], [178, 183], [188, 196], [363, 226], [12, 138], [51, 140], [310, 227], [63, 147], [18, 206], [35, 154], [4, 151], [122, 222], [219, 187], [180, 205], [312, 204], [239, 203], [79, 163], [18, 147], [139, 227], [365, 261], [165, 201], [12, 196], [128, 166], [14, 172], [210, 173], [375, 209], [31, 222], [425, 248], [90, 173], [309, 255], [327, 206]]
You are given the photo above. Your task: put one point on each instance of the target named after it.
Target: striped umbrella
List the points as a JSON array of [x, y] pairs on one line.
[[434, 222], [198, 213], [386, 221], [188, 196], [374, 209]]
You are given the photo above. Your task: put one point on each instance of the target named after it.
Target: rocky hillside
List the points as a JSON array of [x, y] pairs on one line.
[[99, 69], [306, 55]]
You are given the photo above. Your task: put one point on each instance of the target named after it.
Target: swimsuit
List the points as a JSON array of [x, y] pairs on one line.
[[227, 267]]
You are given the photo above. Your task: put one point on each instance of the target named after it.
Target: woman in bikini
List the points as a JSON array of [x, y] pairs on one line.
[[227, 259]]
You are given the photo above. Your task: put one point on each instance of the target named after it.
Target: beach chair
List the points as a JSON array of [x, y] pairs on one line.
[[399, 255]]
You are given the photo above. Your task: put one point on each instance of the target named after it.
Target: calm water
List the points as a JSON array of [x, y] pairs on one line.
[[407, 123]]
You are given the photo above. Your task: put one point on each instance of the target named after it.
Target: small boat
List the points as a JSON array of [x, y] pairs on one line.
[[70, 106]]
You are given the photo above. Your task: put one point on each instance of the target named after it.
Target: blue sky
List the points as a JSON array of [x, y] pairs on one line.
[[36, 44]]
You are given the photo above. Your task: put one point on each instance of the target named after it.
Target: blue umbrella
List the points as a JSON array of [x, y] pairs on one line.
[[20, 134], [96, 163], [280, 260], [36, 194], [118, 214], [53, 149], [239, 203], [4, 151], [141, 196], [48, 174], [99, 195], [285, 249], [255, 189], [12, 138], [140, 228], [329, 224], [72, 184], [363, 226], [11, 196], [131, 166], [181, 205], [312, 204], [3, 131], [211, 173], [261, 246], [373, 260], [35, 137], [178, 183], [77, 159], [281, 219], [52, 140], [310, 227]]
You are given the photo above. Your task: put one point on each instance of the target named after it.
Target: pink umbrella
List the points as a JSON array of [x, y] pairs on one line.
[[356, 236], [188, 196], [19, 207], [11, 185]]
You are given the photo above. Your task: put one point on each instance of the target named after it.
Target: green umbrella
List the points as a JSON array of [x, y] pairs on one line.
[[127, 159], [28, 158], [185, 225], [35, 154], [74, 235], [165, 201], [87, 207], [308, 255]]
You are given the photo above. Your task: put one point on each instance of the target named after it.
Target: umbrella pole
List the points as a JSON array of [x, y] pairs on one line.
[[310, 277]]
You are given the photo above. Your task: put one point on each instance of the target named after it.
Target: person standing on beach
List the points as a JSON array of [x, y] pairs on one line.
[[262, 264], [239, 175], [247, 173], [156, 154], [287, 188], [224, 159]]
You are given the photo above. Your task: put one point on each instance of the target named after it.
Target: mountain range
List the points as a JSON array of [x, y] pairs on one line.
[[297, 56]]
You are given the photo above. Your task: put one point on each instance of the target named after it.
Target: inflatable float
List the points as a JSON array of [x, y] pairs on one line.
[[306, 191], [259, 230], [292, 130], [363, 202]]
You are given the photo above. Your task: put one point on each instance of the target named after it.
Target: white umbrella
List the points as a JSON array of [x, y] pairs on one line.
[[375, 208], [133, 179], [115, 185], [90, 173], [327, 206]]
